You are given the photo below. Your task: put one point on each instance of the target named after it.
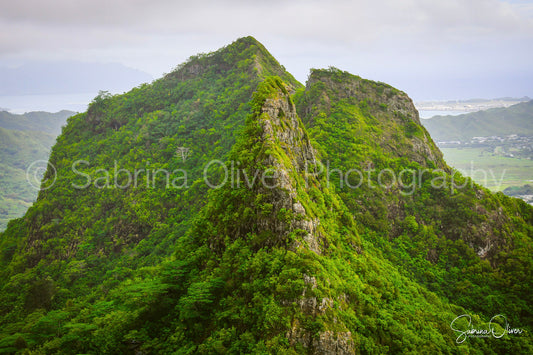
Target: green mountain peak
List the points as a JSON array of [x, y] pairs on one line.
[[389, 112], [244, 54], [225, 208]]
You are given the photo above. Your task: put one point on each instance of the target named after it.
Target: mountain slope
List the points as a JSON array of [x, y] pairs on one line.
[[182, 121], [439, 228], [516, 119], [205, 213], [27, 139], [47, 122], [18, 150]]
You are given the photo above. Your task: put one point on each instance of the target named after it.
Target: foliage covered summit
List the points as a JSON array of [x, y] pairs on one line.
[[289, 260]]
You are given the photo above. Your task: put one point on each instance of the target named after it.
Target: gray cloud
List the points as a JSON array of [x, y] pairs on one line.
[[372, 36], [351, 20]]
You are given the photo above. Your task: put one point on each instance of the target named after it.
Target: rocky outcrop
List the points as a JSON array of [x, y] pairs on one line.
[[326, 343], [390, 109], [281, 128], [284, 126]]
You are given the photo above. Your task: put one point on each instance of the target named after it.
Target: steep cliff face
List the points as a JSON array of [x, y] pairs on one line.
[[274, 210], [281, 128], [322, 272], [269, 175], [423, 211], [376, 115]]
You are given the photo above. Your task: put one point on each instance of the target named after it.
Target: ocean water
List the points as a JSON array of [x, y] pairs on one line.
[[48, 103]]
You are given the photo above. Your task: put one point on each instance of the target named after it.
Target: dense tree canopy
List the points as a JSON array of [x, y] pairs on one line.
[[130, 250]]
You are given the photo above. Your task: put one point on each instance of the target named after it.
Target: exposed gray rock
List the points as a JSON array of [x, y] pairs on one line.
[[327, 342]]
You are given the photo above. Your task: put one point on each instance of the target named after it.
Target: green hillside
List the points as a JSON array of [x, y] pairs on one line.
[[516, 119], [18, 150], [24, 140], [227, 208], [35, 121]]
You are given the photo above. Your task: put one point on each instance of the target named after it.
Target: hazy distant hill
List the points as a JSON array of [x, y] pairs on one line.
[[516, 119], [24, 139], [35, 121], [68, 77]]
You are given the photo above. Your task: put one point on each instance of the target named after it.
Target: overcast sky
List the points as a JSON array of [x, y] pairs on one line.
[[432, 49]]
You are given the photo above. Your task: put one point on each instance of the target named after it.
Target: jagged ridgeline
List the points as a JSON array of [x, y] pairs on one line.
[[226, 208]]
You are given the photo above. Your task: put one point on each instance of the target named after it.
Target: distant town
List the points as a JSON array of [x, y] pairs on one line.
[[511, 146], [472, 105]]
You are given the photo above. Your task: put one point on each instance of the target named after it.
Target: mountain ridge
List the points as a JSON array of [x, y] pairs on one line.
[[294, 259]]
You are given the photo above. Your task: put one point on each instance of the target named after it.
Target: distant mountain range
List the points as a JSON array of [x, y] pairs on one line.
[[66, 77], [35, 121], [516, 119]]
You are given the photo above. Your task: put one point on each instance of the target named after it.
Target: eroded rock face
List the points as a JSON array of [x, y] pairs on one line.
[[282, 127], [334, 343], [327, 342]]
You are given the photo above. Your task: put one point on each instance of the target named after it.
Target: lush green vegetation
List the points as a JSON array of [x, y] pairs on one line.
[[24, 139], [289, 260], [434, 234]]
